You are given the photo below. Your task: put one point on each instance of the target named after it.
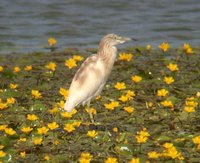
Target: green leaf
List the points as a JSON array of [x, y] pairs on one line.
[[38, 106]]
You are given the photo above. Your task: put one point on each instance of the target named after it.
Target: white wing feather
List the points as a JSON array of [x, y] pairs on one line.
[[94, 79]]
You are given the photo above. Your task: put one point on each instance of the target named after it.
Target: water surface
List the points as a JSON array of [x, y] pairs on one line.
[[25, 25]]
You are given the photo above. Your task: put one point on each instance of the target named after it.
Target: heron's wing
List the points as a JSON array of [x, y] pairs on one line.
[[87, 80], [83, 70]]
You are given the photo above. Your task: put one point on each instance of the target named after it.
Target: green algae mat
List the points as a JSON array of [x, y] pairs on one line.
[[148, 111]]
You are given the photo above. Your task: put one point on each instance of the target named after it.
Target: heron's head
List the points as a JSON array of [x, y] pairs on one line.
[[113, 39]]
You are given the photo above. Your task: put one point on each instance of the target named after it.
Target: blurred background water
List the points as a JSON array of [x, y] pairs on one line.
[[26, 25]]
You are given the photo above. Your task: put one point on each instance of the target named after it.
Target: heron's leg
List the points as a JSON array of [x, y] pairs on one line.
[[90, 114]]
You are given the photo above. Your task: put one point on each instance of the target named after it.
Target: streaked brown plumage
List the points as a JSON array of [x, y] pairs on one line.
[[91, 77]]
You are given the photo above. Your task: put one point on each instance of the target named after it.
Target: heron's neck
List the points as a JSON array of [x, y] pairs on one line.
[[107, 54]]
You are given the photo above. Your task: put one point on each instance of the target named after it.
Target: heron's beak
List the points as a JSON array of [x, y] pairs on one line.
[[134, 39], [128, 39]]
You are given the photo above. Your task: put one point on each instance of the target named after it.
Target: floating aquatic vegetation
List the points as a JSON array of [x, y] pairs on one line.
[[148, 111]]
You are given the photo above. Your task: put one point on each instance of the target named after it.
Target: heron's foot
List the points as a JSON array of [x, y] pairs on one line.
[[92, 120]]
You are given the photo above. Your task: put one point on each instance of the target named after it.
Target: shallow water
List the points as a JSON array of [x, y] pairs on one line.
[[25, 25]]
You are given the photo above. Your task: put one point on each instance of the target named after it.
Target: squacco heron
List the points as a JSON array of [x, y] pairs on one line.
[[92, 75]]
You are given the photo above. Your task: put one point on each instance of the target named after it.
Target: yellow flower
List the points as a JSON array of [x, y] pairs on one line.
[[3, 105], [69, 127], [76, 123], [84, 160], [2, 153], [149, 104], [23, 154], [172, 67], [26, 129], [164, 46], [52, 41], [142, 136], [98, 97], [186, 46], [42, 130], [53, 110], [1, 147], [10, 100], [120, 85], [31, 117], [168, 145], [91, 111], [46, 157], [191, 103], [13, 86], [111, 160], [1, 69], [141, 139], [10, 131], [187, 49], [70, 63], [56, 142], [28, 68], [135, 160], [125, 57], [123, 98], [149, 47], [52, 125], [77, 58], [22, 140], [153, 155], [36, 94], [16, 69], [61, 104], [112, 105], [162, 92], [144, 132], [189, 109], [64, 92], [172, 152], [167, 103], [130, 94], [92, 133], [136, 78], [3, 127], [196, 140], [198, 94], [115, 129], [85, 157], [129, 109], [51, 66], [37, 141], [68, 115], [169, 80]]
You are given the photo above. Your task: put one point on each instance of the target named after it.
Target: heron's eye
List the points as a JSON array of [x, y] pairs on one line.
[[115, 37]]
